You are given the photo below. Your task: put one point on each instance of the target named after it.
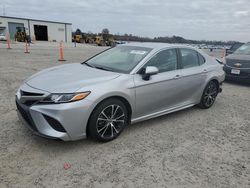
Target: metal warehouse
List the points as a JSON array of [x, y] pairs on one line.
[[40, 30]]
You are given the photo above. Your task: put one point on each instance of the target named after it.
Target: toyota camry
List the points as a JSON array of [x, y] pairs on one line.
[[122, 85]]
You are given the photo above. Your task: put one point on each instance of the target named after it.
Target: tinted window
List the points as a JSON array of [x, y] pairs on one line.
[[243, 50], [165, 60], [189, 58], [235, 46], [202, 59]]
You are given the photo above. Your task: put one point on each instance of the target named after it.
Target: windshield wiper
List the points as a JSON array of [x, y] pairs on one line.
[[88, 65], [102, 68], [98, 67]]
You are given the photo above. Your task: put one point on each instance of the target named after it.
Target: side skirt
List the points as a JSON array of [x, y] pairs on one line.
[[160, 113]]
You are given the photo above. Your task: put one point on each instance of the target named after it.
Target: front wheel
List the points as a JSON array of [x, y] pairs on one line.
[[209, 95], [108, 120]]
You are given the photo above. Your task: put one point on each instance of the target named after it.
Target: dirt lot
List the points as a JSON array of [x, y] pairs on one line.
[[190, 148]]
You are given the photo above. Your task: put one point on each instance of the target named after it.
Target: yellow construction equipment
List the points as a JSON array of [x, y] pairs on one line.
[[21, 35], [78, 39], [93, 39], [100, 41]]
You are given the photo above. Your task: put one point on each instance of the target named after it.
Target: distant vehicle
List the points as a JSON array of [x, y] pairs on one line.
[[233, 48], [237, 65], [120, 42], [2, 37], [78, 38], [104, 41], [95, 39], [125, 84], [21, 35]]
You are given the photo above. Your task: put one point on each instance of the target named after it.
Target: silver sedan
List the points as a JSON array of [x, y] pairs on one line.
[[122, 85]]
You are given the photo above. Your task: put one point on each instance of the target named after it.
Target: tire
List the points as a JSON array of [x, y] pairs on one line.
[[209, 95], [108, 120], [81, 40]]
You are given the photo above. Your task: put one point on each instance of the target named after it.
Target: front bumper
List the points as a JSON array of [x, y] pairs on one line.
[[67, 121], [244, 75]]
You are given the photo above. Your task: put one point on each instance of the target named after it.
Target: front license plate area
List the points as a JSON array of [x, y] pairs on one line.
[[235, 71]]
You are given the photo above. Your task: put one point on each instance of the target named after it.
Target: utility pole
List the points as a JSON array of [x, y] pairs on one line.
[[4, 10]]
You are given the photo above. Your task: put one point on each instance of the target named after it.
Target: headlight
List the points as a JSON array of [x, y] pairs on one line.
[[64, 98]]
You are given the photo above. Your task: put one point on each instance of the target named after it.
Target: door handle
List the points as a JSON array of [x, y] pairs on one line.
[[205, 71], [177, 76]]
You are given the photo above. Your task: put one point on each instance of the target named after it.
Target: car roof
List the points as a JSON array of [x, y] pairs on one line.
[[157, 46]]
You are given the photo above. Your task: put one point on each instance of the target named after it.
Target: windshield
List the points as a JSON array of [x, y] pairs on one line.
[[235, 46], [243, 50], [119, 59]]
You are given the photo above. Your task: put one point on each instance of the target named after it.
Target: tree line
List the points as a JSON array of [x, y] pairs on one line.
[[167, 39], [172, 39]]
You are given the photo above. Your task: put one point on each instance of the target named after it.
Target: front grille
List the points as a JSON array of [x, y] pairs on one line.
[[243, 63], [24, 111], [30, 102], [25, 93], [54, 123], [30, 98]]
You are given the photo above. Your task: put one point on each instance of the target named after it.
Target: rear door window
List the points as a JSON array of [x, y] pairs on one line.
[[189, 58]]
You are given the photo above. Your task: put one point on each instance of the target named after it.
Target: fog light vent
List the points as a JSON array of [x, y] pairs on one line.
[[54, 123]]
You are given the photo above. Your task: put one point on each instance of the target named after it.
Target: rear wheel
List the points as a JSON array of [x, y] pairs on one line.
[[108, 120], [209, 95]]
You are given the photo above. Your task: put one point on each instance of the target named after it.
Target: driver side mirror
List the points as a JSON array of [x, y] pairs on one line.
[[149, 71]]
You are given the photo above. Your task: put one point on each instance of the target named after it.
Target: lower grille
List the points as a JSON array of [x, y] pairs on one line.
[[54, 123], [243, 73], [30, 103], [24, 111]]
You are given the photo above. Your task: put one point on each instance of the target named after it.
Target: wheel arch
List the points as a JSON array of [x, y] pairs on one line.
[[213, 79], [119, 97], [216, 81]]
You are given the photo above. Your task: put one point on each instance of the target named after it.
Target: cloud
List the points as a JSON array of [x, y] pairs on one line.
[[192, 19], [242, 13]]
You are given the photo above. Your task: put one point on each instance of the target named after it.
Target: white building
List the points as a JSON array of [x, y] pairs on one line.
[[40, 30]]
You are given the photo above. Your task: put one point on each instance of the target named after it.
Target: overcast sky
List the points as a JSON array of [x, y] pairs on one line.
[[191, 19]]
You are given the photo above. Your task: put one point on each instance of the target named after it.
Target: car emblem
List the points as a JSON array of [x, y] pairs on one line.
[[237, 65]]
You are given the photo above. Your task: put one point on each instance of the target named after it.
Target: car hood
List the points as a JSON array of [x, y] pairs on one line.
[[239, 57], [68, 78]]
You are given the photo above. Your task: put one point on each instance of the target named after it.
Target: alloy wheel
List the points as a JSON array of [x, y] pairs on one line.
[[210, 94], [110, 121]]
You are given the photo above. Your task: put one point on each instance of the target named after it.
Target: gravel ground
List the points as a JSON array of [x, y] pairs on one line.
[[190, 148]]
